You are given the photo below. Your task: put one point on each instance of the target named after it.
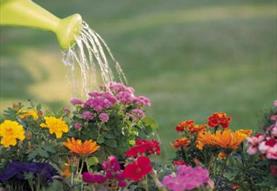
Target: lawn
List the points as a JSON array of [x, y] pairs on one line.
[[192, 58]]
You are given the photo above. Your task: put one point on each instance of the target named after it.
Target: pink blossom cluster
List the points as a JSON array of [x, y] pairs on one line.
[[111, 171], [265, 144], [126, 95], [99, 102], [186, 178]]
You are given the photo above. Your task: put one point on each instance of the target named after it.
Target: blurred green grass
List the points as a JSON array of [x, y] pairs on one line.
[[192, 58]]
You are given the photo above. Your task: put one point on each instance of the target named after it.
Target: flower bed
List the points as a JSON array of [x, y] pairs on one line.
[[107, 142]]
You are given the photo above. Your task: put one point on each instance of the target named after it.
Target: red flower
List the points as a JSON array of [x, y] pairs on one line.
[[146, 147], [219, 119], [138, 169], [183, 125]]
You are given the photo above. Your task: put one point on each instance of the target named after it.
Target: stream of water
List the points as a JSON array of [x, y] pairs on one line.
[[91, 63]]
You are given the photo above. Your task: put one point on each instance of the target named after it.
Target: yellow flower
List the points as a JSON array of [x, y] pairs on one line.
[[82, 148], [222, 138], [30, 112], [10, 131], [55, 125]]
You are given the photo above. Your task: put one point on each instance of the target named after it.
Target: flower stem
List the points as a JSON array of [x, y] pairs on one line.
[[157, 181]]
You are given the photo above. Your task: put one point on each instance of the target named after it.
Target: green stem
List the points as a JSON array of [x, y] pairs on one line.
[[157, 182], [145, 183], [81, 168]]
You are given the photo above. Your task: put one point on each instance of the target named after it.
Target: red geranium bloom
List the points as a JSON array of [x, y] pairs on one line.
[[219, 119], [146, 147], [183, 125], [138, 169]]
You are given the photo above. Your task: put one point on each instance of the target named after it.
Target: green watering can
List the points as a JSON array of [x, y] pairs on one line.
[[28, 14]]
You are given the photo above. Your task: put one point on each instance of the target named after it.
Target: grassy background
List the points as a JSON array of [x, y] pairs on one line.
[[192, 58]]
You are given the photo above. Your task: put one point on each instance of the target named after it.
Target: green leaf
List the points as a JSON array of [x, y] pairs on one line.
[[151, 123], [111, 143], [109, 135], [100, 139], [92, 161]]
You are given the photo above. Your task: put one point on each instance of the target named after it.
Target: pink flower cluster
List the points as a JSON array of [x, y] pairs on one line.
[[126, 95], [186, 178], [111, 171], [99, 102], [265, 144]]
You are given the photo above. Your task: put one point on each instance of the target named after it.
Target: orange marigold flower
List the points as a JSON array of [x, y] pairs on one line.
[[81, 148], [203, 138], [219, 119], [222, 138], [195, 128], [183, 125], [181, 142]]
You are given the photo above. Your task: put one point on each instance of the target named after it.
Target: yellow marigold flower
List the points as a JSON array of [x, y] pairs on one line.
[[30, 112], [222, 138], [10, 131], [55, 125], [82, 148]]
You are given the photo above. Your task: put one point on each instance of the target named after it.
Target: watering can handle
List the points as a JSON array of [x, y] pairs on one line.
[[28, 14]]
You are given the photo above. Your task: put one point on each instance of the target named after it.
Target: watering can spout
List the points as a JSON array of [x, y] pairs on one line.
[[28, 14]]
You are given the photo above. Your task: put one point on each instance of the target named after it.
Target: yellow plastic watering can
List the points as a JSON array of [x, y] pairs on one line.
[[28, 14]]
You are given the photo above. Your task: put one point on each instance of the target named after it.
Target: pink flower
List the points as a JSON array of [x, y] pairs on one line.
[[272, 152], [111, 172], [136, 114], [116, 87], [100, 101], [253, 143], [93, 178], [269, 148], [77, 126], [186, 178], [76, 101], [142, 101], [86, 115], [104, 117], [125, 97]]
